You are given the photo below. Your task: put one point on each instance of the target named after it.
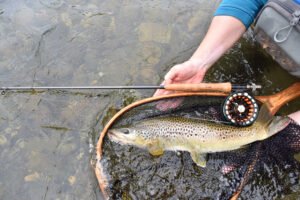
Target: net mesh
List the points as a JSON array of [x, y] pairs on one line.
[[265, 170]]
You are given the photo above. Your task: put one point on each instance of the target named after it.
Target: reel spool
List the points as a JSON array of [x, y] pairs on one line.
[[240, 109]]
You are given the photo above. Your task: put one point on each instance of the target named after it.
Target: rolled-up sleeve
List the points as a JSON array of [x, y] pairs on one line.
[[244, 10]]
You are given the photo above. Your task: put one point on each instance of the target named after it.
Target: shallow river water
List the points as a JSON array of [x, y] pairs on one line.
[[47, 139]]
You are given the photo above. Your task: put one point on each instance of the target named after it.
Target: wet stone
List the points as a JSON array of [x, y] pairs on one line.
[[72, 180], [151, 53], [52, 3], [65, 17], [3, 140], [152, 190], [100, 74], [148, 74], [21, 143], [32, 177], [197, 20], [24, 16], [67, 148], [80, 156], [154, 32]]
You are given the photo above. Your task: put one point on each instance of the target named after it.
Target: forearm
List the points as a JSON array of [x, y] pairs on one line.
[[223, 32], [231, 20]]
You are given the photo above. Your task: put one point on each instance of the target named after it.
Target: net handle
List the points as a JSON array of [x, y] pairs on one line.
[[276, 101]]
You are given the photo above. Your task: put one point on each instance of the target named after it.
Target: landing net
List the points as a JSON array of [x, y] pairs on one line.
[[267, 169]]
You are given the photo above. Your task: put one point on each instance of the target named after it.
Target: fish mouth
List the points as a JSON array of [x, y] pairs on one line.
[[111, 135], [115, 137]]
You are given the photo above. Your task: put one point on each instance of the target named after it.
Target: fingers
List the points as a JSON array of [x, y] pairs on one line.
[[168, 80], [166, 104], [169, 104], [187, 72], [173, 74], [160, 91]]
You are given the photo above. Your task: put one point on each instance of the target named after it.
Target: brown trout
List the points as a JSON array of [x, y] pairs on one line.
[[195, 135]]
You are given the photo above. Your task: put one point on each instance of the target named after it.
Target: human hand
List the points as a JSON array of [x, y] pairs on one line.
[[191, 71]]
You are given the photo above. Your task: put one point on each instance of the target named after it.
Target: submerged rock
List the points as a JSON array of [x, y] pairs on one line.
[[32, 177], [154, 32]]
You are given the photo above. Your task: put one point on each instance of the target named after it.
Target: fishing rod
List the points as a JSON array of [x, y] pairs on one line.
[[240, 109], [199, 87]]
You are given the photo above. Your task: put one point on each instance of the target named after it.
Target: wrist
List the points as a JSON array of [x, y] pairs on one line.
[[199, 64]]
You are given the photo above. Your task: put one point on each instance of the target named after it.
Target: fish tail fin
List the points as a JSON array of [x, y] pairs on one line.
[[263, 121], [264, 116], [270, 124], [278, 123]]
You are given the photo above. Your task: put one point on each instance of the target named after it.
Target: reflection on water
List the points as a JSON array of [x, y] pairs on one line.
[[47, 138]]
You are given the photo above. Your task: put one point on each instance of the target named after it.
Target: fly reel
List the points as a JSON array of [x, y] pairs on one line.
[[240, 109]]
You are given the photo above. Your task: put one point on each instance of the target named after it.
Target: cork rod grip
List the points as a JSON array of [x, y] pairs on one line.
[[200, 87]]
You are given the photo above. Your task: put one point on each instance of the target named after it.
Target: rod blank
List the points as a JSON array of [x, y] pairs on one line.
[[200, 87], [15, 88]]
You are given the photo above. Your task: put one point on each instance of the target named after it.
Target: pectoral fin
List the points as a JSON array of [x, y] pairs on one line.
[[155, 150], [199, 159]]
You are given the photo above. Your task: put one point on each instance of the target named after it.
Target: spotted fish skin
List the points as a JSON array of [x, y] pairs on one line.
[[193, 135]]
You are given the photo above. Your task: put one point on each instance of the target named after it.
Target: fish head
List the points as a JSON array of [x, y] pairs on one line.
[[127, 135]]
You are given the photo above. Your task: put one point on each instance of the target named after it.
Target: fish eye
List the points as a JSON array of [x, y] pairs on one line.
[[125, 131]]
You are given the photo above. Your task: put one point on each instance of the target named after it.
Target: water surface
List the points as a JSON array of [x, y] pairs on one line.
[[47, 138]]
